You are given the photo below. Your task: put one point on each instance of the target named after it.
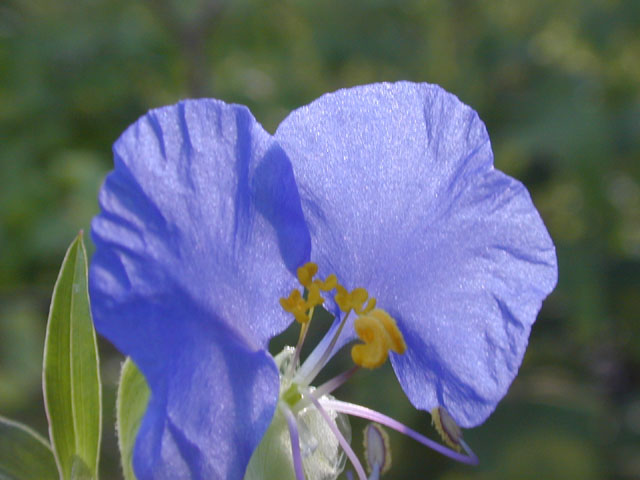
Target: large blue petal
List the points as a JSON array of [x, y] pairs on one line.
[[186, 279], [401, 197]]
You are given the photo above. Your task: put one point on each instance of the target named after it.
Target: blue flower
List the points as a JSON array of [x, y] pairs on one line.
[[401, 197], [206, 218]]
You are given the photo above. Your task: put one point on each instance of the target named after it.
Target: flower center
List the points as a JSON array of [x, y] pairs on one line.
[[309, 437], [299, 426], [375, 327]]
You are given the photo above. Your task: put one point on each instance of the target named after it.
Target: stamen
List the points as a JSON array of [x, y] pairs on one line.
[[380, 334], [350, 301], [296, 305], [326, 354], [397, 340], [373, 353], [447, 427], [347, 301], [306, 273], [377, 450], [336, 431], [337, 381], [295, 442], [375, 473], [296, 353], [364, 412], [313, 296], [371, 304], [329, 283]]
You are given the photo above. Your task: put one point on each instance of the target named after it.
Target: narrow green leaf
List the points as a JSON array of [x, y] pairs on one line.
[[79, 469], [24, 455], [133, 396], [71, 376]]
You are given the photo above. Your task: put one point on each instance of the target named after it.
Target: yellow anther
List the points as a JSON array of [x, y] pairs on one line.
[[306, 273], [329, 283], [371, 304], [358, 297], [290, 303], [351, 301], [373, 353], [296, 305], [342, 298], [397, 340], [380, 334], [447, 427], [313, 297]]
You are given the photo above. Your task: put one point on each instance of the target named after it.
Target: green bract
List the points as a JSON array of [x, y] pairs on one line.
[[71, 385], [133, 396], [71, 376]]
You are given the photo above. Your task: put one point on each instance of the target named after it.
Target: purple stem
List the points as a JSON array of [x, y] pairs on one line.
[[364, 412], [337, 381], [295, 442]]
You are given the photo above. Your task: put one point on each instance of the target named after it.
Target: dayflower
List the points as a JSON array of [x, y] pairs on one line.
[[390, 190]]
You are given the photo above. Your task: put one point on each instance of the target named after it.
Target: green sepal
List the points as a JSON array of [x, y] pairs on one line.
[[272, 458], [24, 455], [133, 396], [71, 375]]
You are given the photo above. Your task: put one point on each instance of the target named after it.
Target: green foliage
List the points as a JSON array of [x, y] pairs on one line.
[[71, 376], [24, 455], [133, 396]]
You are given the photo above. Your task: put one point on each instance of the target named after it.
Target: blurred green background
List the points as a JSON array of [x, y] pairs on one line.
[[556, 82]]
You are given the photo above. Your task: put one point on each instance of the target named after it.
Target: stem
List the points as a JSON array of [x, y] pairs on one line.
[[364, 412]]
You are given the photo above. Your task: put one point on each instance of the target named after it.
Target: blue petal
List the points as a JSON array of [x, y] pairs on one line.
[[401, 197], [186, 280], [209, 412]]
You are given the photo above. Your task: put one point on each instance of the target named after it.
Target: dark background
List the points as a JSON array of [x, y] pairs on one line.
[[556, 83]]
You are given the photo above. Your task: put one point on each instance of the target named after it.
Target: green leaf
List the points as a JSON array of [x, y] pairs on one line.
[[24, 455], [79, 469], [71, 376], [133, 396]]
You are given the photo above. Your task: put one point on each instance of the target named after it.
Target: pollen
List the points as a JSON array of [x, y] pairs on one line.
[[397, 340], [353, 300], [329, 283], [301, 307], [306, 273], [380, 334], [296, 305], [447, 427], [313, 296], [375, 327]]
